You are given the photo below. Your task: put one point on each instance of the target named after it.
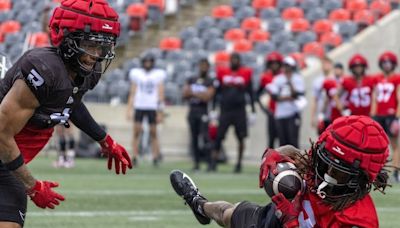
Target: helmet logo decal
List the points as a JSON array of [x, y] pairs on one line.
[[107, 26], [338, 150]]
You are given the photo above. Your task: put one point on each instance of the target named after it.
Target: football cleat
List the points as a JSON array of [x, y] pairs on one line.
[[185, 188]]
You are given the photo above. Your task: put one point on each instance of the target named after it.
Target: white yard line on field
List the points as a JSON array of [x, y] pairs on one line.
[[134, 213], [153, 192], [141, 214]]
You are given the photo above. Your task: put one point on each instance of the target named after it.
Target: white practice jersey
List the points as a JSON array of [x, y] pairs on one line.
[[147, 84]]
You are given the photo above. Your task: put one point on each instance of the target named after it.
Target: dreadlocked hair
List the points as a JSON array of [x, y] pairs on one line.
[[305, 163]]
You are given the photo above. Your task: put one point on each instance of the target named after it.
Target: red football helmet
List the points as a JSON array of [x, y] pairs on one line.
[[348, 157], [274, 56], [388, 61], [388, 56], [358, 59], [85, 27]]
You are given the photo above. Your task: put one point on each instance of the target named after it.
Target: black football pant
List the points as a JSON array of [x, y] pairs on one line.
[[198, 130], [288, 130], [271, 130]]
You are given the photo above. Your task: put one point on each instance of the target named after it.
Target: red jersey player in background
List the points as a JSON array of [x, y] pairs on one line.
[[385, 103], [333, 104], [234, 85], [45, 88], [273, 64], [357, 88]]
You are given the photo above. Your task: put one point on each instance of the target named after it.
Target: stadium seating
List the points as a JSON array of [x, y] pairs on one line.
[[300, 28]]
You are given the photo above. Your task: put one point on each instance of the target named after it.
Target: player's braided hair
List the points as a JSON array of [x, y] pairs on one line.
[[304, 163]]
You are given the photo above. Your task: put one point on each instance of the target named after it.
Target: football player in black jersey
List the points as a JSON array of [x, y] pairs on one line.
[[44, 88], [199, 91]]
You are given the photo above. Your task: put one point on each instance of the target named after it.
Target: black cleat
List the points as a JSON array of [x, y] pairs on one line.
[[238, 168], [185, 188]]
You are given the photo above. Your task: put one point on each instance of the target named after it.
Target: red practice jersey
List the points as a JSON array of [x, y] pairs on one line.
[[385, 90], [330, 87], [358, 98], [233, 87], [316, 214], [266, 78]]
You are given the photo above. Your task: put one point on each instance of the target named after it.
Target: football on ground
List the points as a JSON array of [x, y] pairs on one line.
[[286, 181]]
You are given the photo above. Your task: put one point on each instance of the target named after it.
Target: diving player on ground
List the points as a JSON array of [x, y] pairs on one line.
[[339, 169], [44, 88]]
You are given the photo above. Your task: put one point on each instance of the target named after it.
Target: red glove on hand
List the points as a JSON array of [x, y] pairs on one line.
[[42, 195], [115, 151], [270, 158], [288, 212]]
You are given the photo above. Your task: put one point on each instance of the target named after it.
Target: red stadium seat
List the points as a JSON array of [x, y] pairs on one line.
[[5, 5], [300, 59], [380, 7], [364, 17], [156, 3], [138, 15], [39, 39], [137, 10], [242, 46], [258, 36], [234, 34], [340, 15], [170, 43], [332, 39], [259, 5], [314, 49], [10, 26], [292, 13], [322, 26], [355, 5], [251, 23], [221, 58], [222, 11], [300, 25]]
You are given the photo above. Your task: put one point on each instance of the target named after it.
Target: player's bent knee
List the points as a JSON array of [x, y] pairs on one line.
[[227, 216], [9, 225]]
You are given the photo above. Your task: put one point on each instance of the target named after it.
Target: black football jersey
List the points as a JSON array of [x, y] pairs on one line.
[[199, 85], [45, 73]]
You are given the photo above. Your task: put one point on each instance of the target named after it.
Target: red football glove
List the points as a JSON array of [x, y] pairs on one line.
[[270, 158], [288, 212], [117, 152], [43, 195]]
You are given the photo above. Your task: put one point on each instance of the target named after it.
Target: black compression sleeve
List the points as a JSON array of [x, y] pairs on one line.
[[251, 94], [83, 120]]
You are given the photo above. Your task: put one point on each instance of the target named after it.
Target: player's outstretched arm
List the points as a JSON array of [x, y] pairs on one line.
[[115, 152], [16, 109]]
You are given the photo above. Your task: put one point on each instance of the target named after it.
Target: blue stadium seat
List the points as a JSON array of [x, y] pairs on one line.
[[315, 14], [244, 12], [263, 48], [269, 14], [305, 37], [330, 5], [347, 29], [216, 45], [211, 34], [289, 47], [283, 4], [205, 23], [275, 25], [237, 4], [280, 37], [225, 24], [307, 5], [193, 44], [188, 33]]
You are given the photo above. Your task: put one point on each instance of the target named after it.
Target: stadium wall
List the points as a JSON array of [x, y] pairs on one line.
[[174, 133]]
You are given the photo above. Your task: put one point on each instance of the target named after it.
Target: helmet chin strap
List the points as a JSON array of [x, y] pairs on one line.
[[327, 179]]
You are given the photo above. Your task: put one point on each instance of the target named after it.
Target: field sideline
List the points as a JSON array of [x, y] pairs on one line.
[[97, 198]]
